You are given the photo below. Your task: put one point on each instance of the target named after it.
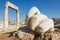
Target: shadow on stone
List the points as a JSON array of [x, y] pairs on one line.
[[27, 30]]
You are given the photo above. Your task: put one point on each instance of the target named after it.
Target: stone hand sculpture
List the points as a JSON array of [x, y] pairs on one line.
[[38, 22], [33, 11], [35, 20], [45, 26]]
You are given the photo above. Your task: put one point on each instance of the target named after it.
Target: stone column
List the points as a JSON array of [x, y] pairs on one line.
[[6, 17], [17, 18]]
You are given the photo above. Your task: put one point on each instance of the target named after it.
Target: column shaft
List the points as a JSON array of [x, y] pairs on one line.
[[17, 19], [6, 17]]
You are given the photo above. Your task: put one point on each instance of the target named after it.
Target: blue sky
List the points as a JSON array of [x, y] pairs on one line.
[[51, 8]]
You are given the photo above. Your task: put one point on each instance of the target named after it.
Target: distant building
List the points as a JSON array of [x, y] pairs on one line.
[[1, 24]]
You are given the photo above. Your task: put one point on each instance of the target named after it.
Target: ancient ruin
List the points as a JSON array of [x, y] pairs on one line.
[[35, 18], [10, 5], [37, 26]]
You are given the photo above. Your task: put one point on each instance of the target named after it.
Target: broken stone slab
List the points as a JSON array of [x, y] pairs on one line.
[[49, 36], [25, 33]]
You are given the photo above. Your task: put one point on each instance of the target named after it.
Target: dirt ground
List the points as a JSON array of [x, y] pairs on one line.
[[47, 36]]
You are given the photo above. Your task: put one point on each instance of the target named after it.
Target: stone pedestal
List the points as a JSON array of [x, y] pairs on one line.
[[25, 33]]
